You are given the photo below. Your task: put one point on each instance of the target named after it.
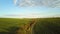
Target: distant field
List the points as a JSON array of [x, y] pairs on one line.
[[42, 25]]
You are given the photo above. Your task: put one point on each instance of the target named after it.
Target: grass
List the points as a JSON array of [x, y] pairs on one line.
[[47, 26], [19, 26], [12, 24]]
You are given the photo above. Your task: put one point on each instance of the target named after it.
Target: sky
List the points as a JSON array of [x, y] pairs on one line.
[[10, 10]]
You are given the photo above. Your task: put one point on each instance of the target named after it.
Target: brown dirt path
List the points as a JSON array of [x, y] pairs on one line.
[[27, 28]]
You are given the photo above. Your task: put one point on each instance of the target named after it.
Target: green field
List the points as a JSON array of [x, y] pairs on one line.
[[41, 26], [47, 26], [12, 24]]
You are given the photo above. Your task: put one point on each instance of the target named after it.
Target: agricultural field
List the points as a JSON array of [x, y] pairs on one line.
[[30, 26], [47, 26], [10, 25]]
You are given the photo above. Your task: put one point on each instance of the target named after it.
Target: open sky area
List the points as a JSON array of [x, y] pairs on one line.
[[8, 9]]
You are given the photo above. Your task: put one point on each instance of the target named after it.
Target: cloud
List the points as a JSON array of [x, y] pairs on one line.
[[46, 3], [15, 1], [22, 15], [32, 15]]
